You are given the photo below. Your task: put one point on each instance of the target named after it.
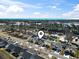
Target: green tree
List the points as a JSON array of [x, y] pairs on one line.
[[77, 53], [53, 57]]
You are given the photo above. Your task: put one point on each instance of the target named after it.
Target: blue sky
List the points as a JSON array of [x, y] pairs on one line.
[[39, 9]]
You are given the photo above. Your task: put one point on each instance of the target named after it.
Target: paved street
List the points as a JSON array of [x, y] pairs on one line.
[[43, 52]]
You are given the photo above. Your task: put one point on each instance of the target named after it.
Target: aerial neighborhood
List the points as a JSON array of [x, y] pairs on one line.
[[20, 39]]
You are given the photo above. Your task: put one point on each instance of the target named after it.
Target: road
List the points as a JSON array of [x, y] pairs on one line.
[[24, 44]]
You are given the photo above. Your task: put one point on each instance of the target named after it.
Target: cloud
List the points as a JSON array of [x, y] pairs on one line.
[[15, 9], [1, 13], [39, 16], [14, 2], [76, 8], [74, 13], [2, 7], [58, 2], [36, 13], [54, 7]]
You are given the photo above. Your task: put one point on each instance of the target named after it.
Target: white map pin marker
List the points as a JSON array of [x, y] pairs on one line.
[[40, 34]]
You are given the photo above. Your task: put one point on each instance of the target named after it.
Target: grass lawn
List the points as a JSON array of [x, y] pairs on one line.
[[5, 55], [77, 54]]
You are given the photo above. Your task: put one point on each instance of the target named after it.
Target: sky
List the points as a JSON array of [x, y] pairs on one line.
[[39, 9]]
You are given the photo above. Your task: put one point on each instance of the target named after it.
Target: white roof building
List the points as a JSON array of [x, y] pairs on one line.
[[75, 40], [62, 38]]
